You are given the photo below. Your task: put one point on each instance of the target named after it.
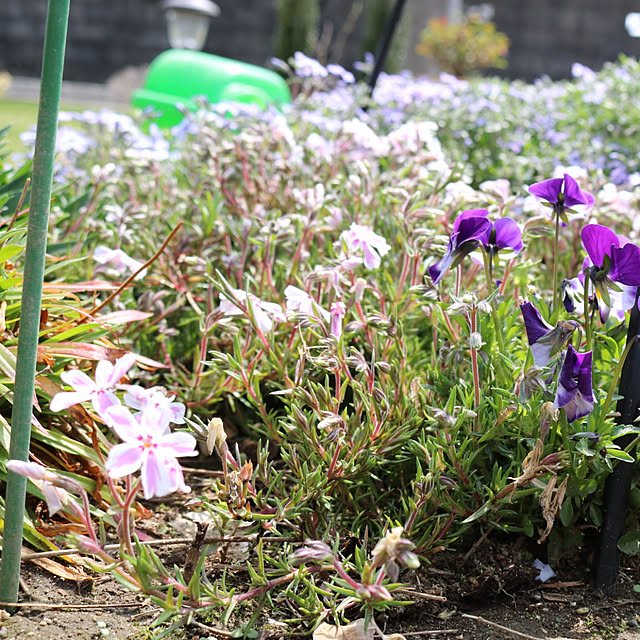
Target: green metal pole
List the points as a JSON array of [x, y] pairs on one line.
[[50, 85]]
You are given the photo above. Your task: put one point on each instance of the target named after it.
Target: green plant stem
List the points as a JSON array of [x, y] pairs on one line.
[[556, 242], [497, 327], [51, 83], [587, 318]]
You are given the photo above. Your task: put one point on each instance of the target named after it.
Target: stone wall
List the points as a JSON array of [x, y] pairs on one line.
[[547, 36]]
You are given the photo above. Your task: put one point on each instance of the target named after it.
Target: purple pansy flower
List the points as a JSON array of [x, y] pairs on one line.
[[575, 392], [545, 341], [471, 229], [614, 268], [562, 194]]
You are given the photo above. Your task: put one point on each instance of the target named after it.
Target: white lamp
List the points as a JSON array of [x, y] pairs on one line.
[[188, 22]]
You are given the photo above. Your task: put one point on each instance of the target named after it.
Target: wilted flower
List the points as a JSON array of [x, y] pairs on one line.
[[575, 393], [545, 341], [99, 392], [312, 551], [55, 488], [148, 447], [394, 549]]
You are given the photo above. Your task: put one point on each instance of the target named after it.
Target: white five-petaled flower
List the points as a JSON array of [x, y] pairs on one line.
[[149, 447], [362, 241], [100, 391]]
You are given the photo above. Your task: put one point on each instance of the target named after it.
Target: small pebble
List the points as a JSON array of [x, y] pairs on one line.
[[582, 610]]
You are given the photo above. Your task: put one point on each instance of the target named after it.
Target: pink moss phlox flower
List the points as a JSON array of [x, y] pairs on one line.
[[148, 447], [338, 311], [575, 391], [613, 266], [54, 487], [545, 341], [472, 229], [100, 391], [155, 399], [562, 195], [264, 313], [362, 240], [299, 301]]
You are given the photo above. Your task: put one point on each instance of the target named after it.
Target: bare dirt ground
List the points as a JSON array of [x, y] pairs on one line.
[[493, 594]]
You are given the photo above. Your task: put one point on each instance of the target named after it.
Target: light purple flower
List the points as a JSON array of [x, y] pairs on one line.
[[575, 391], [148, 447], [361, 240], [243, 303], [562, 194], [100, 391], [545, 341]]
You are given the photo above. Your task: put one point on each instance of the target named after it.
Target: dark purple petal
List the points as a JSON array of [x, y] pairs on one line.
[[534, 325], [625, 265], [508, 234], [438, 270], [469, 231], [598, 241], [548, 190], [469, 213], [471, 228], [575, 391], [573, 195]]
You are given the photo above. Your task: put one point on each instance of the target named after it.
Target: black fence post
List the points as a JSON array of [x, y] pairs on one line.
[[385, 43], [618, 484]]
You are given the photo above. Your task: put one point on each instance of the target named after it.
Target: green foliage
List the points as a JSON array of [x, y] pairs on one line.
[[297, 27], [465, 46]]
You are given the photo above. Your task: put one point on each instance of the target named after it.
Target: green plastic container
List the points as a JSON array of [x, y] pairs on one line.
[[179, 75]]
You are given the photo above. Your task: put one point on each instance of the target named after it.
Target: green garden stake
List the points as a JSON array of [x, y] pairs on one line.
[[177, 76], [50, 85]]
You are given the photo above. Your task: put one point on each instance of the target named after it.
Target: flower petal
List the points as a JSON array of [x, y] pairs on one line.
[[120, 419], [548, 190], [177, 444], [66, 399], [625, 265], [156, 481], [508, 234], [124, 459], [598, 241], [120, 368], [573, 195], [79, 380]]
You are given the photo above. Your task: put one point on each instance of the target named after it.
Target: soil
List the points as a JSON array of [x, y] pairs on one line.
[[491, 595], [458, 595]]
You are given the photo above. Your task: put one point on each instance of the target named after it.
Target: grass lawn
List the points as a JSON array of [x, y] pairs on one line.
[[20, 116]]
